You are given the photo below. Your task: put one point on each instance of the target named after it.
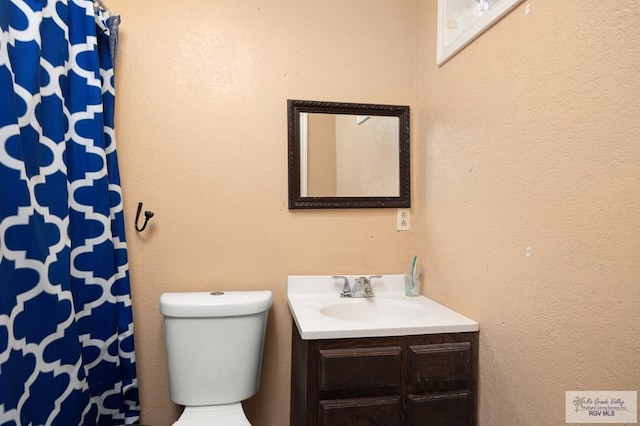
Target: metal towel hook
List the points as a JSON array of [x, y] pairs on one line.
[[147, 215]]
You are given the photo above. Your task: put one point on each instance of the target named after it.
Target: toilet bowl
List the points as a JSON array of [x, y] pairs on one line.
[[214, 343]]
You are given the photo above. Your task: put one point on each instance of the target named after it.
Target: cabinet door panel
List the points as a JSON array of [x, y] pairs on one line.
[[441, 409], [360, 412], [359, 369], [441, 366]]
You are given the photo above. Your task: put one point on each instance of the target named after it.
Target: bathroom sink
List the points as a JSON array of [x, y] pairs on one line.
[[374, 310], [320, 313]]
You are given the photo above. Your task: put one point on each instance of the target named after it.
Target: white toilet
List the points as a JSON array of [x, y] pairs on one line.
[[214, 352]]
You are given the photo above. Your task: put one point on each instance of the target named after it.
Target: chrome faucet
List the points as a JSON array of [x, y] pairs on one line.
[[361, 288]]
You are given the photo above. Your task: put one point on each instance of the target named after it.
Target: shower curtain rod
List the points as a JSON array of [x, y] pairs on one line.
[[102, 5]]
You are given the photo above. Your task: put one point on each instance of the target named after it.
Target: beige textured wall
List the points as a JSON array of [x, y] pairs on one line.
[[368, 157], [321, 156], [202, 140], [530, 137]]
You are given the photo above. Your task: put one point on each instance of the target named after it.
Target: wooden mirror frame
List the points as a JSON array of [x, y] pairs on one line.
[[297, 201]]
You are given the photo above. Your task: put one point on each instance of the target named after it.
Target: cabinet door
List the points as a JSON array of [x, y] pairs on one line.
[[360, 412], [361, 369], [439, 367], [439, 409]]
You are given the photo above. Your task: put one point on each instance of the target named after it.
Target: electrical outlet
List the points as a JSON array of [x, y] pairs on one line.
[[403, 220]]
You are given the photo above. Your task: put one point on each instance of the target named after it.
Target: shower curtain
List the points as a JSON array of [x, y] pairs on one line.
[[66, 327]]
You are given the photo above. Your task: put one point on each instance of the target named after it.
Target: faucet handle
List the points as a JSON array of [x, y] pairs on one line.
[[346, 290], [368, 291]]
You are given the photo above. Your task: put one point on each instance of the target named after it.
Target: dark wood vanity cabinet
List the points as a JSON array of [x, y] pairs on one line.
[[425, 380]]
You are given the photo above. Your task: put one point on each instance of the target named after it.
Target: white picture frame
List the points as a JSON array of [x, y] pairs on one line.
[[462, 21]]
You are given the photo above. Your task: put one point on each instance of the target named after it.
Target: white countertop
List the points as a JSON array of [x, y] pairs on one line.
[[307, 295]]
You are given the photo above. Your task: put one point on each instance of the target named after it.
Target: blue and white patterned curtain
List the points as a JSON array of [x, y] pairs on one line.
[[66, 327]]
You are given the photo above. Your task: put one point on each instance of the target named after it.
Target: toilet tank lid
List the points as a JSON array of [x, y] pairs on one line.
[[215, 304]]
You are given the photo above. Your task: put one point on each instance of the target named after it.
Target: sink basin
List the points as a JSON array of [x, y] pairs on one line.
[[320, 313], [374, 310]]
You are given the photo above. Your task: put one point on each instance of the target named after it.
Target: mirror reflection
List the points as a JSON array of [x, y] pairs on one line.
[[345, 155]]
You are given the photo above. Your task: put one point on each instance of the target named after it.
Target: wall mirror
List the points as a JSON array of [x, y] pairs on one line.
[[346, 155]]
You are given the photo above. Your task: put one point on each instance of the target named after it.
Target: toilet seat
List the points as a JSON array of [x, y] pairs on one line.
[[218, 415]]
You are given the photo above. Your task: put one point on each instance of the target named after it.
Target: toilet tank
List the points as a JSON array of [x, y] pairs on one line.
[[214, 344]]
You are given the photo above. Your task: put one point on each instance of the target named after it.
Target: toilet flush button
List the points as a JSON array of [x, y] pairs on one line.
[[216, 293]]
